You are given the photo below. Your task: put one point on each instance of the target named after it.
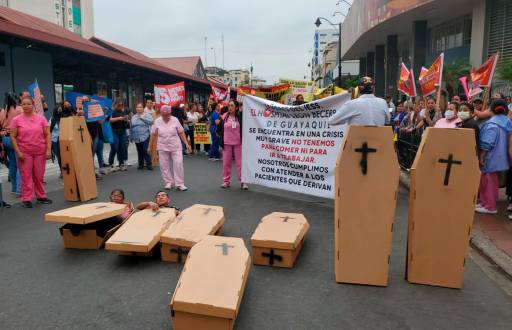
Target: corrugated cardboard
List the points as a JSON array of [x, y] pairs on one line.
[[74, 130], [86, 213], [211, 286], [189, 228], [365, 206], [153, 152], [141, 232], [90, 236], [278, 239], [441, 208], [68, 172]]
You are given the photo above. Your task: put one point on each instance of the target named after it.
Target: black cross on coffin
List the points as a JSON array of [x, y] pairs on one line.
[[364, 150], [225, 248], [286, 218], [157, 213], [207, 210], [180, 252], [81, 130], [67, 168], [449, 162], [271, 257]]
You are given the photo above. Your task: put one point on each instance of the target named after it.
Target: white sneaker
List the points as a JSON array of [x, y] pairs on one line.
[[182, 188], [510, 216], [245, 186], [509, 207], [168, 186], [483, 210]]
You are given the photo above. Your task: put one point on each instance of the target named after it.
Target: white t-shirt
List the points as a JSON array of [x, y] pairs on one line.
[[365, 110], [192, 117]]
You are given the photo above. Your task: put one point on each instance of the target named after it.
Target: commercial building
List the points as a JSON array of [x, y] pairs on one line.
[[32, 48], [234, 78], [74, 15], [382, 34]]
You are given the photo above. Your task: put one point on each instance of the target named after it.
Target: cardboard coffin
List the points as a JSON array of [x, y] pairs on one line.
[[278, 239], [444, 183], [76, 145], [141, 232], [367, 175], [68, 172], [193, 224], [211, 286], [87, 226]]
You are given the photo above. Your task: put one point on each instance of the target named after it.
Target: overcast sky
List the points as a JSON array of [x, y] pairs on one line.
[[276, 36]]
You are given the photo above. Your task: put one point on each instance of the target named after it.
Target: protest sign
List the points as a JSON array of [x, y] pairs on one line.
[[35, 92], [171, 95], [300, 87], [432, 77], [291, 147], [201, 134], [482, 77], [406, 82], [93, 111], [220, 95]]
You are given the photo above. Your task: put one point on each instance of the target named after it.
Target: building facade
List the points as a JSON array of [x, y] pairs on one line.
[[74, 15], [235, 78], [382, 34]]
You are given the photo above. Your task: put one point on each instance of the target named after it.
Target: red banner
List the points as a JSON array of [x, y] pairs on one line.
[[432, 77], [482, 77], [220, 95], [406, 82], [171, 95]]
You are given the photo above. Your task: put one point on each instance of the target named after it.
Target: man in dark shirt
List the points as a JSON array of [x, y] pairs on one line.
[[179, 113]]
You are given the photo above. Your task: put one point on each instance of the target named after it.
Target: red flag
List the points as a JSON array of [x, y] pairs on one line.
[[482, 77], [171, 95], [432, 77], [464, 82], [219, 95], [406, 82]]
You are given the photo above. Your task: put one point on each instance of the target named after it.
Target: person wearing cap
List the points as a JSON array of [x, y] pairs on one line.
[[367, 109], [494, 154], [170, 134]]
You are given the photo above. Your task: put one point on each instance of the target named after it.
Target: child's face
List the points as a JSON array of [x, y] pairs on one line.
[[162, 199], [117, 198]]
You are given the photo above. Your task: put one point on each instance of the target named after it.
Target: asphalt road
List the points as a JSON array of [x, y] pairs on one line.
[[44, 286]]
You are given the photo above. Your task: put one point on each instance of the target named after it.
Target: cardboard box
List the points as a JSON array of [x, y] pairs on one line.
[[75, 144], [367, 175], [278, 239], [193, 224], [86, 213], [153, 152], [68, 172], [141, 232], [90, 236], [211, 286], [444, 184]]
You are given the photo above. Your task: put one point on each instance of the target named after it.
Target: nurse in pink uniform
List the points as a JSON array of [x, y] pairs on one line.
[[31, 140], [168, 132]]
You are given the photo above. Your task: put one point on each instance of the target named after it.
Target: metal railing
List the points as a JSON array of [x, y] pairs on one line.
[[406, 148]]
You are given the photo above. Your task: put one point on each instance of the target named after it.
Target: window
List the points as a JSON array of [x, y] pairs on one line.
[[452, 34], [323, 34]]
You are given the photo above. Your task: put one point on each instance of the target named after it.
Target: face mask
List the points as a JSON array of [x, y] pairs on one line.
[[464, 115], [448, 114]]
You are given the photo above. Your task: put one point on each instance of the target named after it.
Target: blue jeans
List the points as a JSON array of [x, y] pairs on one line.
[[14, 174], [56, 152], [118, 147], [97, 148], [214, 149]]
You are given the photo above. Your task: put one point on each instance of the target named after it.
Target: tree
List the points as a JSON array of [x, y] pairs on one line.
[[505, 71], [452, 72]]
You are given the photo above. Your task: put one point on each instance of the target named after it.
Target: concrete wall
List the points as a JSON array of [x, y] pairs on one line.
[[87, 10], [29, 65], [44, 9], [5, 73], [478, 34]]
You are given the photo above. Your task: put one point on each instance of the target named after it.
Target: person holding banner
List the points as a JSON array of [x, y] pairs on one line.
[[30, 138], [230, 132], [140, 131], [7, 114], [367, 109], [168, 132]]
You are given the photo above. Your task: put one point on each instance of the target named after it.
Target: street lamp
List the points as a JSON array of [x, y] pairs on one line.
[[318, 23], [338, 12], [345, 1]]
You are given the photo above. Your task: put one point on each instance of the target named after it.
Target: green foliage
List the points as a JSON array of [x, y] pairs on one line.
[[505, 70], [350, 82], [453, 71]]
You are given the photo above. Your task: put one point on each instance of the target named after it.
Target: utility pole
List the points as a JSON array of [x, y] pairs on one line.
[[205, 52]]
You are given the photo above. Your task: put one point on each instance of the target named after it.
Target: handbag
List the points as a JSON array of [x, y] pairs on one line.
[[108, 134]]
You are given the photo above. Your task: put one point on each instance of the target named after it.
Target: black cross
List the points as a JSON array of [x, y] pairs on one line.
[[286, 218], [66, 168], [157, 213], [207, 210], [271, 257], [180, 252], [449, 162], [101, 207], [225, 248], [364, 150], [81, 130]]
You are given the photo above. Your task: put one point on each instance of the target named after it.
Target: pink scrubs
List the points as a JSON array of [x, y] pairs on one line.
[[444, 123], [169, 150], [32, 144], [232, 149]]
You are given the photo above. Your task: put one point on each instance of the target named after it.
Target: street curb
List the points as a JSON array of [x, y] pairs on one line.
[[478, 240]]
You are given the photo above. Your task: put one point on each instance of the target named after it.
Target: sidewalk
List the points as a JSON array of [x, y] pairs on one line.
[[491, 234]]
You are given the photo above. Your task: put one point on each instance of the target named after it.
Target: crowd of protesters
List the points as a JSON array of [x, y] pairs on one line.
[[491, 124], [28, 140]]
